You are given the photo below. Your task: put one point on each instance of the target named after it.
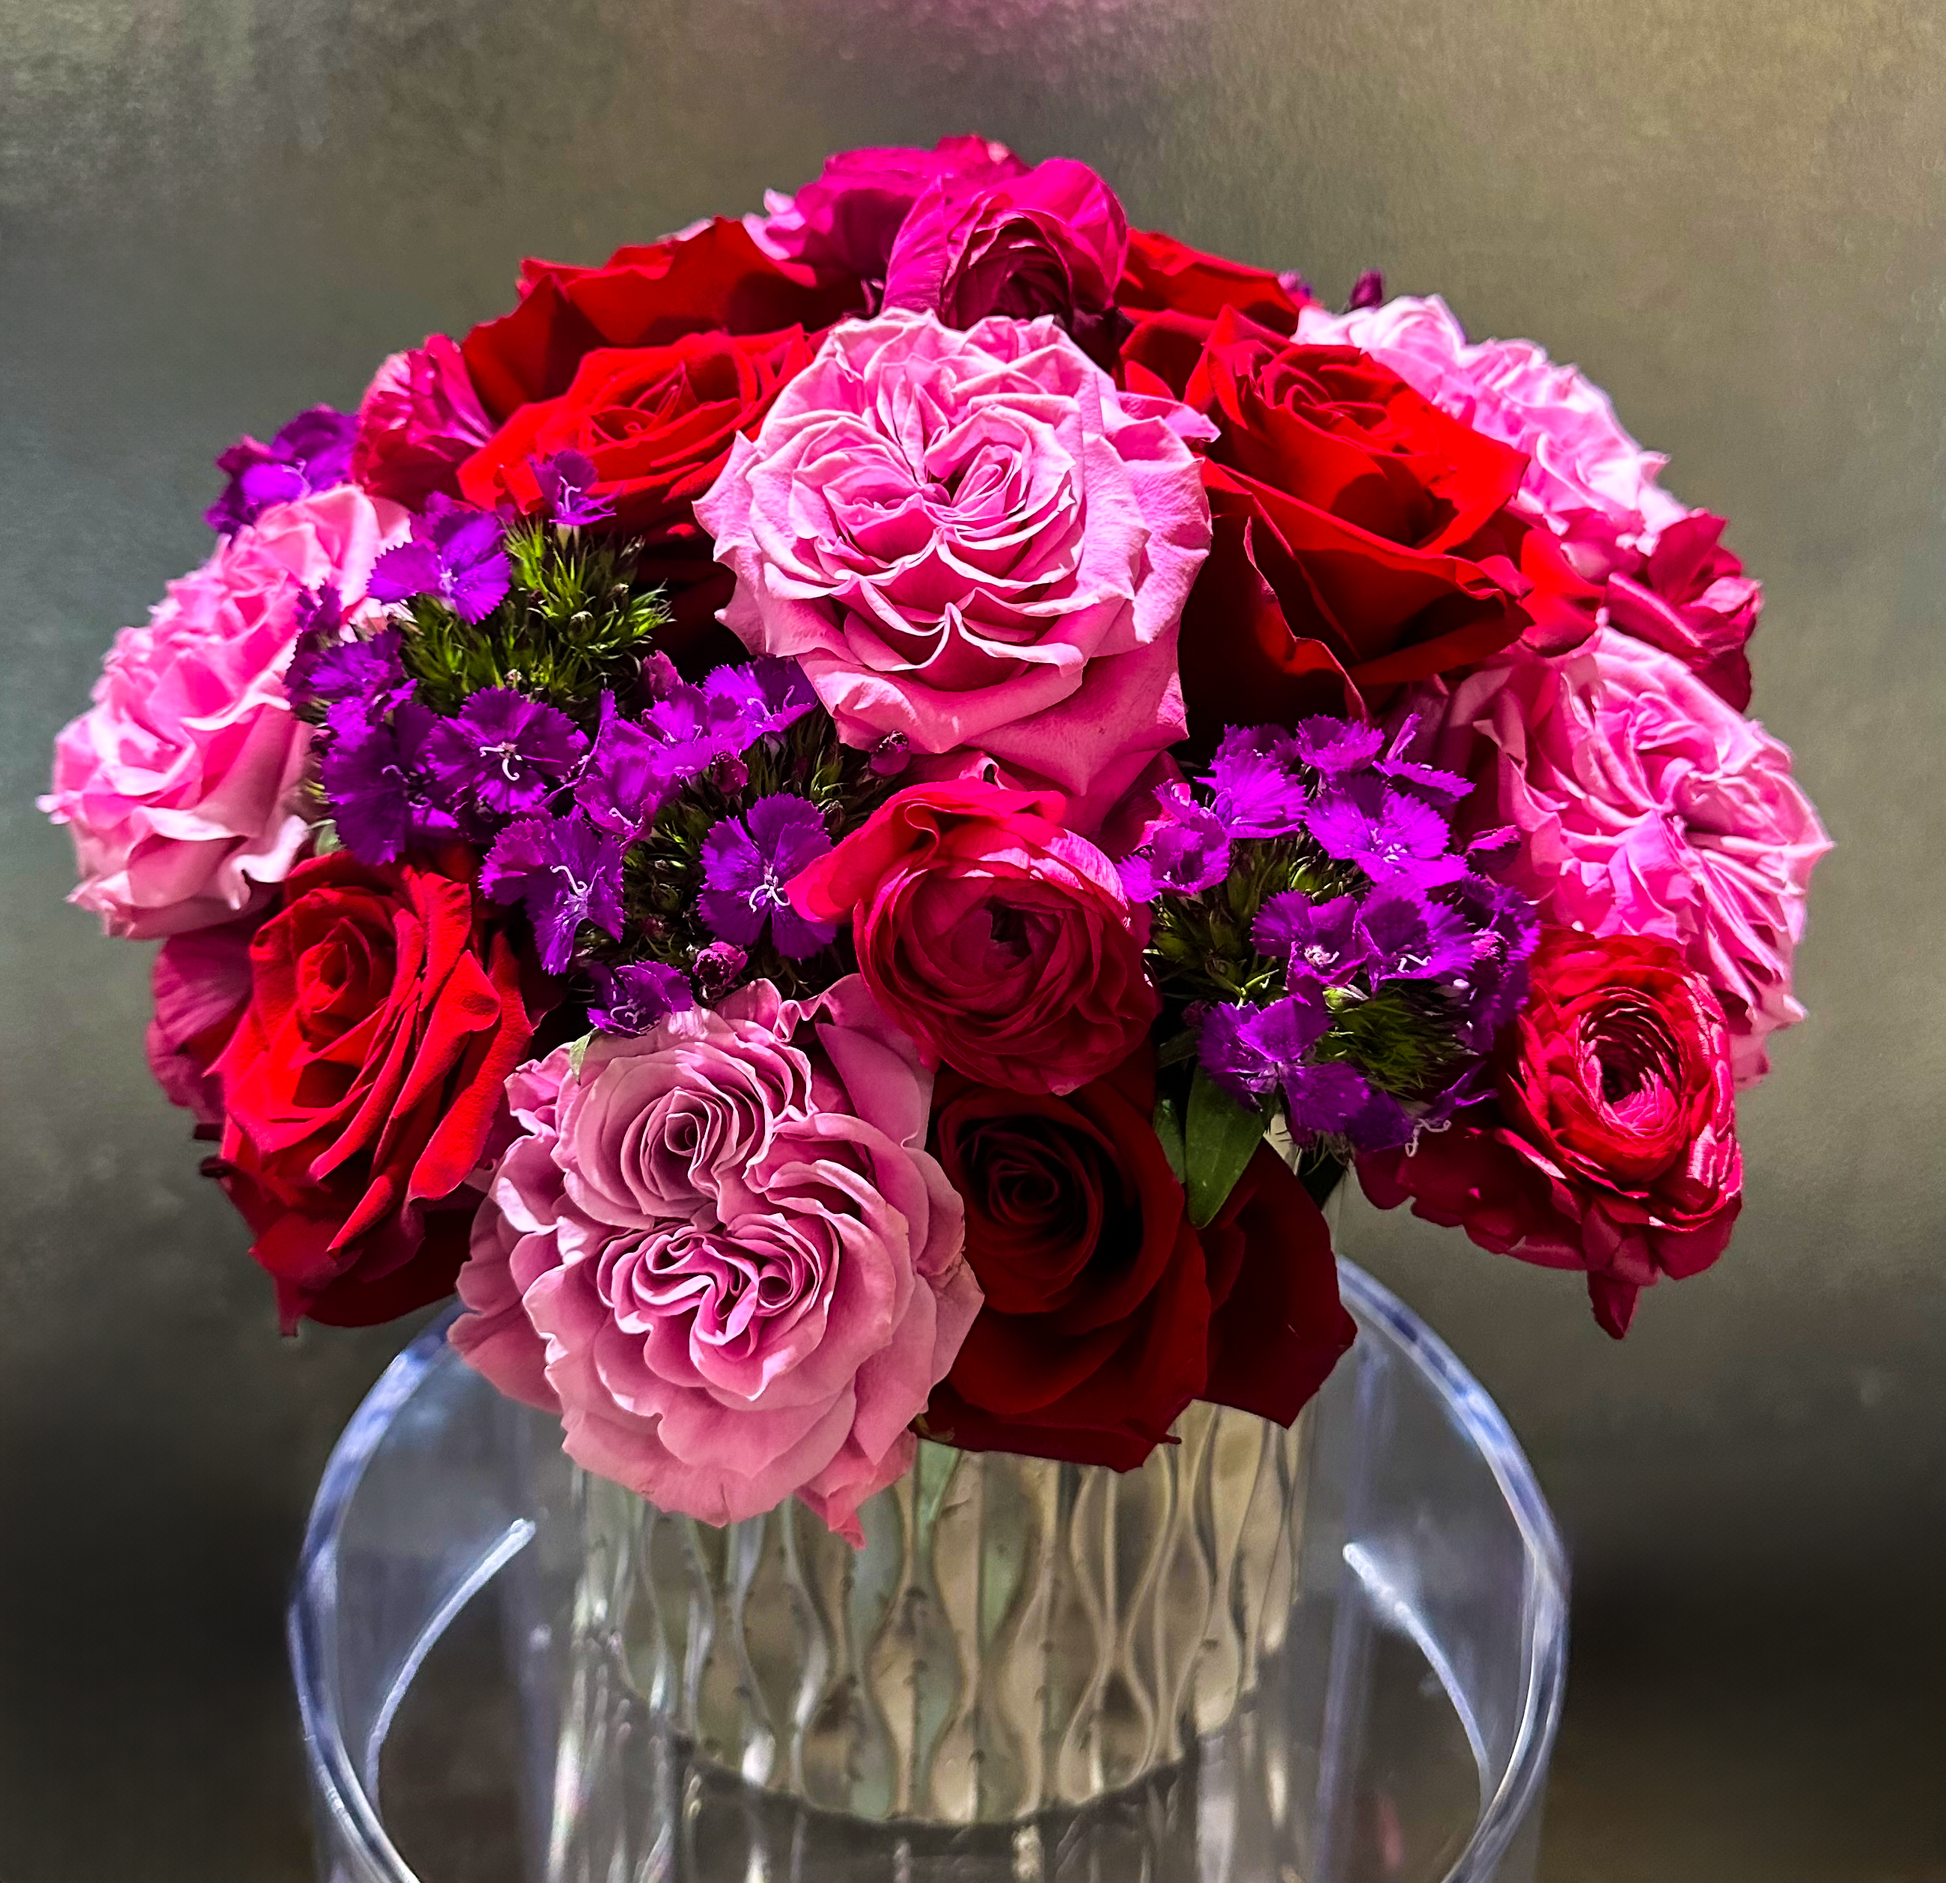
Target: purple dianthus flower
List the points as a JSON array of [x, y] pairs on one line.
[[455, 553], [634, 996], [312, 452], [1319, 939], [567, 482], [502, 753], [373, 774], [747, 861], [1257, 782], [1185, 852], [565, 872], [1389, 831]]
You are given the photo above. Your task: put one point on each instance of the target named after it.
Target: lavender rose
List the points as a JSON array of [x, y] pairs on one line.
[[722, 1253], [972, 540]]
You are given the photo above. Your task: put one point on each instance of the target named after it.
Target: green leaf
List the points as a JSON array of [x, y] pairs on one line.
[[1168, 1131], [325, 839], [578, 1052], [1221, 1138]]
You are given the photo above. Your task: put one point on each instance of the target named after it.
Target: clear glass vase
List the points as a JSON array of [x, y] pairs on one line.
[[1015, 1635], [1334, 1654]]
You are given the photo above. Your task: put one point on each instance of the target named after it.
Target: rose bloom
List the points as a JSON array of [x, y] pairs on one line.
[[200, 982], [1106, 1312], [1049, 242], [845, 220], [997, 938], [1167, 280], [181, 785], [1612, 1147], [1667, 578], [362, 1078], [709, 279], [657, 424], [1361, 536], [723, 1254], [1646, 806], [418, 421], [971, 539]]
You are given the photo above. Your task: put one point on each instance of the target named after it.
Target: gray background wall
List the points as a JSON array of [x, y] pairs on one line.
[[213, 212]]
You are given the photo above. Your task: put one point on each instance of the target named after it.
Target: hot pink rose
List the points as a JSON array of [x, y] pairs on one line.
[[200, 981], [180, 786], [1646, 806], [971, 539], [722, 1252], [997, 938], [848, 215], [1050, 242], [419, 420]]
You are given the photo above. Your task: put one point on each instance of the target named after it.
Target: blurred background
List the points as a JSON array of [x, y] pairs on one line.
[[1729, 212]]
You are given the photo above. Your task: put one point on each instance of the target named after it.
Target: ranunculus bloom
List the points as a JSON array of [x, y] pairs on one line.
[[723, 1254], [1646, 806], [418, 421], [997, 938], [362, 1080], [1667, 578], [1361, 536], [971, 539], [711, 279], [1613, 1147], [1106, 1313], [657, 424], [181, 784], [1168, 281], [201, 982], [845, 219], [1050, 242]]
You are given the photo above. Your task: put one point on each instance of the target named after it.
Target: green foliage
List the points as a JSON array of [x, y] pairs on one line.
[[575, 622], [1400, 1036], [1200, 946], [1220, 1137]]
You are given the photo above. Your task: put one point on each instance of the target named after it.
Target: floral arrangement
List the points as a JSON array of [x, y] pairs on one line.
[[847, 821]]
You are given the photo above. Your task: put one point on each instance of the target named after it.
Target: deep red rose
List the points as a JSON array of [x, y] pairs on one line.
[[1362, 537], [362, 1081], [716, 280], [1106, 1313], [1162, 276], [1610, 1144], [657, 423]]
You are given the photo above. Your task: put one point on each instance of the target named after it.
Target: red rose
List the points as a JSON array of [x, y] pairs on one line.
[[362, 1080], [1361, 536], [1162, 276], [657, 423], [715, 281], [1106, 1313], [1612, 1144], [997, 938]]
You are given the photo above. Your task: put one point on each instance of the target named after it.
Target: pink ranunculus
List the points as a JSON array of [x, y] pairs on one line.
[[1646, 806], [971, 539], [181, 784], [847, 217], [722, 1251], [1050, 242], [1579, 457], [419, 420], [995, 936]]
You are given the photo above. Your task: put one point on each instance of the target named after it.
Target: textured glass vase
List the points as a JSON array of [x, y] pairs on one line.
[[1015, 1636]]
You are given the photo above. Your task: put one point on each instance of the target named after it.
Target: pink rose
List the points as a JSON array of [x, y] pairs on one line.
[[1579, 457], [971, 539], [997, 938], [722, 1252], [1646, 806], [847, 216], [1050, 242], [419, 420], [181, 785], [201, 982]]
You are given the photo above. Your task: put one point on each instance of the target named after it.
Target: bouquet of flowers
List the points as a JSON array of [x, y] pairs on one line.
[[847, 821]]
